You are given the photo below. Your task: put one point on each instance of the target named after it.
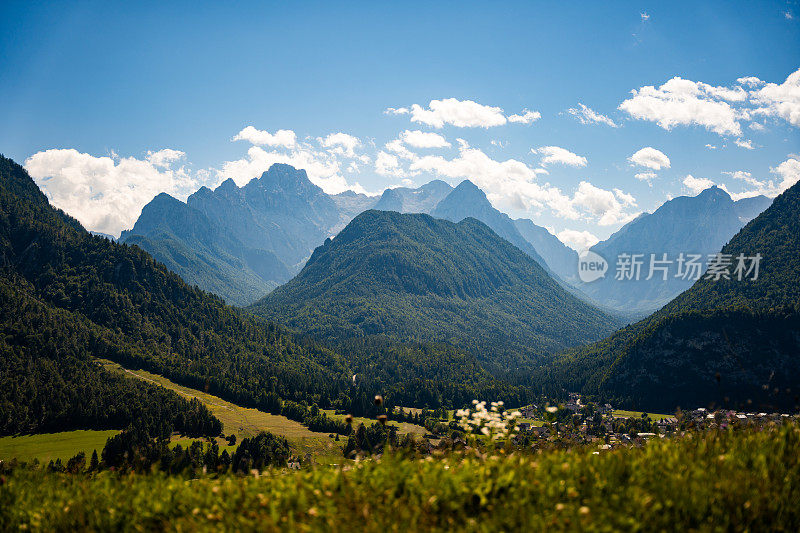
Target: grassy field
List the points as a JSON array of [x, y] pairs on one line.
[[714, 481], [245, 422], [52, 446], [619, 413], [402, 427]]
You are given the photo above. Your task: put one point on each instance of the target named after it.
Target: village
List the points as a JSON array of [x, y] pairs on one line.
[[576, 422]]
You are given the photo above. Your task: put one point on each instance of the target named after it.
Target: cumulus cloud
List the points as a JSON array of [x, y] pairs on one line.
[[608, 206], [511, 184], [284, 138], [685, 102], [780, 100], [649, 157], [107, 193], [577, 240], [681, 102], [341, 143], [164, 158], [697, 185], [422, 139], [586, 115], [527, 117], [741, 143], [387, 164], [323, 168], [557, 155], [789, 172], [462, 114]]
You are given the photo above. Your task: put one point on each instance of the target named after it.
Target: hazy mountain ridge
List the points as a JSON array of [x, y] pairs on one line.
[[691, 225], [727, 342]]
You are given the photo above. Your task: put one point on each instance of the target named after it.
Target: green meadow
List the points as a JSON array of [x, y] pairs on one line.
[[51, 446]]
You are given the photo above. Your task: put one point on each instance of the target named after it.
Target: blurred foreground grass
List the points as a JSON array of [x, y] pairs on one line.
[[715, 481]]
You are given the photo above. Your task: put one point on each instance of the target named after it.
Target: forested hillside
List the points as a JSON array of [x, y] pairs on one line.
[[114, 301], [139, 313], [413, 277], [725, 342]]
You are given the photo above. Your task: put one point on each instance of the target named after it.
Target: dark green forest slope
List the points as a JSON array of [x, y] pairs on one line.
[[126, 307], [724, 343], [414, 277], [73, 293]]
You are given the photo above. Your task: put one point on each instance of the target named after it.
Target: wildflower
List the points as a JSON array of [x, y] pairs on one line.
[[551, 409]]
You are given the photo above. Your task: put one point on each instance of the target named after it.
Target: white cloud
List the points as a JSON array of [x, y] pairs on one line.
[[645, 16], [755, 126], [387, 164], [649, 157], [577, 240], [164, 158], [711, 147], [527, 117], [749, 81], [789, 172], [284, 138], [685, 102], [716, 108], [422, 139], [556, 154], [462, 114], [587, 115], [646, 177], [697, 185], [747, 144], [780, 100], [744, 176], [607, 206], [107, 194], [341, 144]]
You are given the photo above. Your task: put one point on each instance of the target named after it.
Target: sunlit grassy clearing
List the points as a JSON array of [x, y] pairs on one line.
[[245, 422], [52, 446], [638, 414]]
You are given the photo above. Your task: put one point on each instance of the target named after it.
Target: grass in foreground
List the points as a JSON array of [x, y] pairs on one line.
[[51, 446], [715, 481]]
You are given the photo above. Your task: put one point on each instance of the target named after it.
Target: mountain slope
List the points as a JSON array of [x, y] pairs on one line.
[[559, 257], [467, 200], [67, 296], [413, 277], [135, 312], [189, 244], [726, 342], [690, 225], [420, 200], [240, 242]]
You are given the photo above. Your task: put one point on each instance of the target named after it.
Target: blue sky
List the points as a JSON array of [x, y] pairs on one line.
[[109, 104]]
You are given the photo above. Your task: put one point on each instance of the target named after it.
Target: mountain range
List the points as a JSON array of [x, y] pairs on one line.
[[724, 342], [698, 225], [419, 278], [241, 242]]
